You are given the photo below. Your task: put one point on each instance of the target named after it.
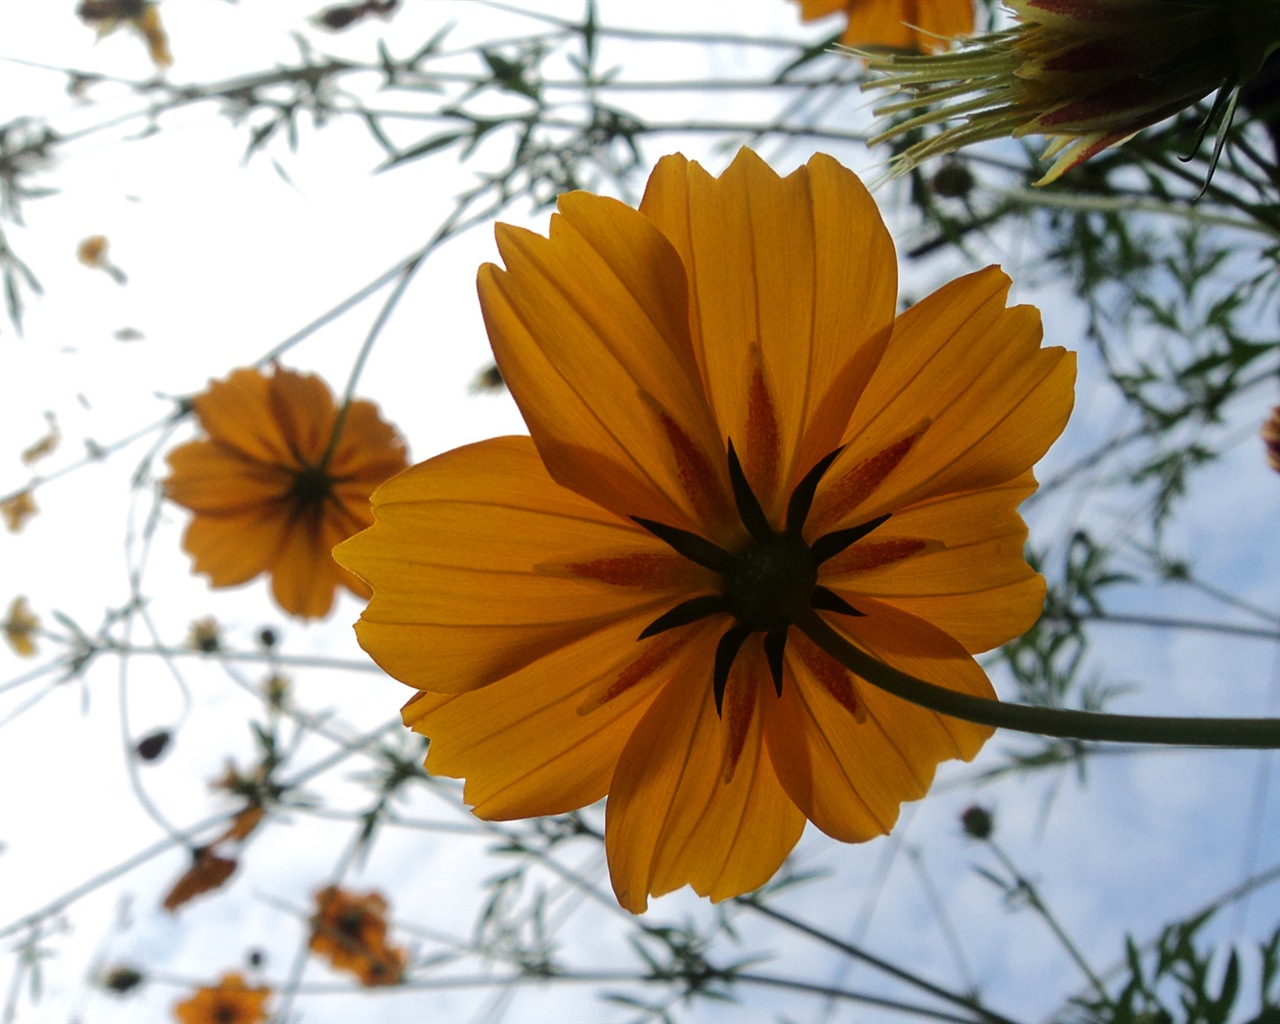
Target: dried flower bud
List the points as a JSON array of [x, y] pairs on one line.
[[978, 822], [151, 747]]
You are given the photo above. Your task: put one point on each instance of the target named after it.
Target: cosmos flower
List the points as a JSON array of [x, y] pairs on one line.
[[1089, 74], [142, 16], [727, 421], [230, 1002], [896, 24], [271, 491], [350, 931]]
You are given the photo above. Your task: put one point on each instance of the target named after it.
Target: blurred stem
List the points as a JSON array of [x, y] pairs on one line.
[[1024, 887], [850, 950], [1258, 733], [1031, 198]]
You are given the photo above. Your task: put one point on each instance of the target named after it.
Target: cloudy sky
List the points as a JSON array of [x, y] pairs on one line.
[[226, 258]]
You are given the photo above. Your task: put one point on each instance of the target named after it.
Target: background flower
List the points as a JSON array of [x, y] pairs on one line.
[[272, 492], [897, 24], [230, 1002], [513, 577]]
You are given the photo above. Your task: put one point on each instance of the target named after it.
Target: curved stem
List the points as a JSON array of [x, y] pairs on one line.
[[1257, 733]]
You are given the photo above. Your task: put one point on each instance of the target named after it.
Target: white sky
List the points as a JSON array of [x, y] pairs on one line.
[[226, 260]]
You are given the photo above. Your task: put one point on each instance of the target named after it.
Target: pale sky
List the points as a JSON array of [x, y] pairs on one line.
[[225, 260]]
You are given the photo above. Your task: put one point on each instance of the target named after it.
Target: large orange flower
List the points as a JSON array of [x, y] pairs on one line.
[[897, 24], [271, 492], [725, 418]]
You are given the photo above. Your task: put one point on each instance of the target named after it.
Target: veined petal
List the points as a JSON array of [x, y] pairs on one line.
[[231, 411], [672, 819], [233, 549], [995, 400], [302, 407], [454, 560], [849, 778], [590, 330], [303, 574], [907, 24], [801, 266], [217, 479], [540, 741], [969, 577]]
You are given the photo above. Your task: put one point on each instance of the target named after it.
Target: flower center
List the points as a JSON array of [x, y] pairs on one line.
[[311, 486], [775, 573]]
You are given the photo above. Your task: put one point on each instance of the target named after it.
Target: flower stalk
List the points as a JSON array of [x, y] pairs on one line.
[[1245, 733]]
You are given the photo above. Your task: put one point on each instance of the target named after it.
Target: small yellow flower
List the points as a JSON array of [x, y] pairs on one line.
[[230, 1002], [20, 628], [350, 931], [725, 416], [1089, 74], [911, 25], [271, 490], [17, 510]]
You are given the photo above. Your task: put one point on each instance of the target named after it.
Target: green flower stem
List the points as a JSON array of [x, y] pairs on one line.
[[1255, 733]]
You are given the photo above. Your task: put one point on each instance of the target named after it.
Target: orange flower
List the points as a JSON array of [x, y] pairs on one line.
[[350, 931], [1089, 74], [727, 420], [896, 24], [271, 490], [231, 1002]]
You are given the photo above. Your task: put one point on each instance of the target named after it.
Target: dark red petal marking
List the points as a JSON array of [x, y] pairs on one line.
[[831, 675], [842, 496], [641, 571], [655, 654], [763, 444], [872, 555]]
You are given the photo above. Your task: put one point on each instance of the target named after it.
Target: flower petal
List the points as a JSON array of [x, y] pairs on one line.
[[801, 267], [850, 779], [233, 411], [907, 24], [672, 819], [217, 479], [302, 407], [541, 741], [455, 556], [590, 330], [968, 578], [231, 550], [994, 400]]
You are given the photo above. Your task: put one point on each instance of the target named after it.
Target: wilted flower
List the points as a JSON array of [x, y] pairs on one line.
[[44, 446], [17, 510], [205, 635], [20, 627], [231, 1002], [350, 931], [1089, 74], [728, 426], [122, 979], [1271, 438], [208, 872], [896, 24], [92, 252], [272, 488], [143, 16]]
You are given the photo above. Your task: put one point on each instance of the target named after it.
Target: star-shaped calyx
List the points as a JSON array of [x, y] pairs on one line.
[[777, 570]]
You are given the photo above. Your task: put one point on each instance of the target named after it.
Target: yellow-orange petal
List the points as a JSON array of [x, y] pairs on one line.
[[969, 578], [453, 558], [209, 477], [304, 575], [370, 450], [303, 409], [590, 330], [994, 400], [850, 779], [231, 550], [672, 818], [541, 741], [907, 24], [801, 266], [235, 411]]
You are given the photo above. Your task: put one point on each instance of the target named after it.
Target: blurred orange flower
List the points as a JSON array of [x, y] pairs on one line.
[[350, 931], [1271, 438], [727, 424], [231, 1002], [896, 24], [272, 491], [20, 627]]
